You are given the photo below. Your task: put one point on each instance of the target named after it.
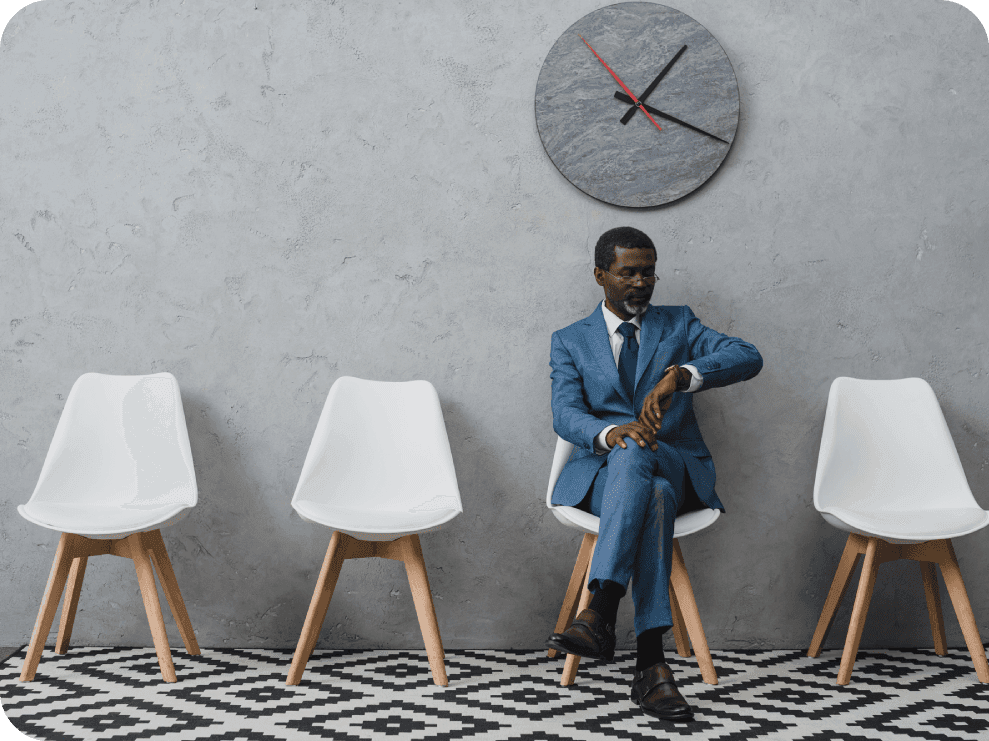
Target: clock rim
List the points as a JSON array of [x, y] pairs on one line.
[[734, 132]]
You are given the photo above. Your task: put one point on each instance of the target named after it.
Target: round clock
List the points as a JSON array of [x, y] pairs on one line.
[[637, 104]]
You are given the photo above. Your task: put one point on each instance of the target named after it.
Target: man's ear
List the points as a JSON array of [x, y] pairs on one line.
[[599, 276]]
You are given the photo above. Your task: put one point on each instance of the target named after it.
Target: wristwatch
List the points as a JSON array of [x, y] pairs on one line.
[[684, 377]]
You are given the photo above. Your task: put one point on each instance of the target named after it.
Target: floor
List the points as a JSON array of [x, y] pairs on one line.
[[241, 695]]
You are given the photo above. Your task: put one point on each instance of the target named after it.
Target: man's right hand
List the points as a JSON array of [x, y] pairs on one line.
[[640, 433]]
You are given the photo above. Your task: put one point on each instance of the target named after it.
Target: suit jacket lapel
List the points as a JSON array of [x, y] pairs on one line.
[[654, 329], [600, 344]]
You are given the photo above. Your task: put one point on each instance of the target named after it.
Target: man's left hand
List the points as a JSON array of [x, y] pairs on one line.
[[660, 398]]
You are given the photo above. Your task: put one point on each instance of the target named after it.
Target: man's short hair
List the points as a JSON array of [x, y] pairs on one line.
[[622, 236]]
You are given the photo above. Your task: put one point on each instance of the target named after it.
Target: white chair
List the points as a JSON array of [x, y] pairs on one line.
[[119, 468], [379, 472], [888, 474], [686, 618]]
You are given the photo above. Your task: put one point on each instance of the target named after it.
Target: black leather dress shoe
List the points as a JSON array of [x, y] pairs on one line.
[[588, 636], [654, 691]]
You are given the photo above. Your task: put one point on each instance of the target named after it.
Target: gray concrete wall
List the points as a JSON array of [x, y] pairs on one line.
[[261, 197]]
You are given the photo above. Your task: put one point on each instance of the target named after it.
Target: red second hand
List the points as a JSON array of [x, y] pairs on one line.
[[627, 91]]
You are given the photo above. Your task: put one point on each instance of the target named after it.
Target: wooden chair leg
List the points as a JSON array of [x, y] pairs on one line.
[[573, 661], [72, 592], [963, 611], [170, 585], [691, 616], [569, 609], [679, 627], [931, 593], [49, 604], [863, 596], [415, 569], [138, 550], [325, 584], [839, 585]]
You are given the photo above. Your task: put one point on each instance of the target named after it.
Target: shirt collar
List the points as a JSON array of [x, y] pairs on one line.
[[613, 321]]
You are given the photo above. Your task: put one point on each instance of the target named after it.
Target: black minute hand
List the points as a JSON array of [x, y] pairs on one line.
[[656, 112], [652, 86]]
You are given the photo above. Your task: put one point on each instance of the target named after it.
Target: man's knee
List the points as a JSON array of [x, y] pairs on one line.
[[631, 457]]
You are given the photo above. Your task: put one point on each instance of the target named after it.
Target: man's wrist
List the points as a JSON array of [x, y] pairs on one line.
[[687, 377], [683, 377], [601, 440]]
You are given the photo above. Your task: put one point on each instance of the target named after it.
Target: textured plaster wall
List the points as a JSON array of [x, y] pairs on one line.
[[261, 197]]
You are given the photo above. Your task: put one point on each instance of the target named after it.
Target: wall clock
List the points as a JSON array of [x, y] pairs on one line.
[[637, 104]]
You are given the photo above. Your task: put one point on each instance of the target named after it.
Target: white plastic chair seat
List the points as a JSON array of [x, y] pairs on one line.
[[908, 526], [119, 462], [888, 467], [387, 524], [685, 524], [400, 482], [101, 521]]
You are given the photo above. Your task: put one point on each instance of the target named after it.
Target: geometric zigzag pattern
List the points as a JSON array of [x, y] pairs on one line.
[[241, 695]]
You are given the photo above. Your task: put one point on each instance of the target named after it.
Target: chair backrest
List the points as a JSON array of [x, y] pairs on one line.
[[560, 457], [885, 445], [121, 440], [380, 445]]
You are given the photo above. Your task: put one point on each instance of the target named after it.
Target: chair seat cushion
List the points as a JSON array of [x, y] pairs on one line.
[[908, 525], [373, 522], [102, 521], [685, 524]]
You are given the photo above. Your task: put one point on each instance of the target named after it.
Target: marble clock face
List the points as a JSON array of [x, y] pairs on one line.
[[594, 132]]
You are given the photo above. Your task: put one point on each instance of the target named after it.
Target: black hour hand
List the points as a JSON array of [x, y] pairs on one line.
[[656, 112]]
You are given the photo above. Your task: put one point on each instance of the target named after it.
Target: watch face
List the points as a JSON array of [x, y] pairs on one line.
[[597, 136]]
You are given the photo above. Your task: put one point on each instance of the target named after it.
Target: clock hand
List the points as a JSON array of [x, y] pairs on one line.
[[631, 95], [631, 111], [647, 109]]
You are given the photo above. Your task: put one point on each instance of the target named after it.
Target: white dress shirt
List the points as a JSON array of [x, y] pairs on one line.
[[613, 322]]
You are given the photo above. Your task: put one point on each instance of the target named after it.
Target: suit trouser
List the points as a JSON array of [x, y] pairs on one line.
[[637, 495]]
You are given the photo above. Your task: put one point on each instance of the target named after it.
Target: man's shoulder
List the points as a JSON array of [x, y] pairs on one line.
[[581, 325]]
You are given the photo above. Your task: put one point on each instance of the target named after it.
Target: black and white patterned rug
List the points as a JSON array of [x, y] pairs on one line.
[[241, 695]]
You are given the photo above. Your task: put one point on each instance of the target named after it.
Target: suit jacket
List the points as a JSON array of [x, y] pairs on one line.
[[588, 394]]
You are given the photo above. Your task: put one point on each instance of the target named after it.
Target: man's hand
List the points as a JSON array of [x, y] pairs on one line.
[[637, 431], [660, 398]]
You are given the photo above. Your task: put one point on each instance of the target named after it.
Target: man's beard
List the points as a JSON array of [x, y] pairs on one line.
[[635, 309]]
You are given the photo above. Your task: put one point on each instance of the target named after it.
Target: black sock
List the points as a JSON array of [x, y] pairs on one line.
[[605, 599], [650, 648]]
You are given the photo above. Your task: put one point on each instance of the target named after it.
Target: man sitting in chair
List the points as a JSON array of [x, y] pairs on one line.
[[639, 456]]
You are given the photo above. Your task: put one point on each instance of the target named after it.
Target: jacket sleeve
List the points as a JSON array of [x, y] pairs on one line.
[[720, 359], [572, 418]]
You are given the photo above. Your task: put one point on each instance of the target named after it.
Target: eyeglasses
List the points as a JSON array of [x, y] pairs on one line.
[[629, 279]]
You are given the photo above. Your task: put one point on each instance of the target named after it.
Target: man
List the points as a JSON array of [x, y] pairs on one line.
[[623, 380]]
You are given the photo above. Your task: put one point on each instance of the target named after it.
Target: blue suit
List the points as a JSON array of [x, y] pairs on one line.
[[639, 491]]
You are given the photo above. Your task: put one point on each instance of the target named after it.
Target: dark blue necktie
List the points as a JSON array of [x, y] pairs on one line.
[[628, 357]]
